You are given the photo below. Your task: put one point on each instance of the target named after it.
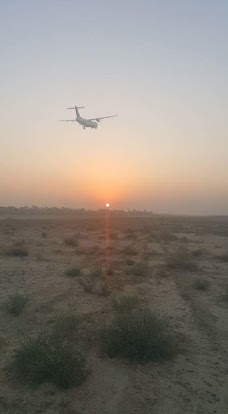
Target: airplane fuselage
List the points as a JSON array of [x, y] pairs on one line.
[[86, 123]]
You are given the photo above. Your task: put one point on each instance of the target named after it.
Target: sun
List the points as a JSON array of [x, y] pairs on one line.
[[107, 205]]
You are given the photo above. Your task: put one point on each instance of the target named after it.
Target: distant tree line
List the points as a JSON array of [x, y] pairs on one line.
[[60, 211]]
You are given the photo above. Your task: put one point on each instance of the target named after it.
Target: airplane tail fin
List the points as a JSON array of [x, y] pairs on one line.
[[76, 108]]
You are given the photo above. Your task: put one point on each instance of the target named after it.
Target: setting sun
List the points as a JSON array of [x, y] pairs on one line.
[[107, 205]]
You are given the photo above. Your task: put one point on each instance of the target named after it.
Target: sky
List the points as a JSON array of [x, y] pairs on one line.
[[161, 65]]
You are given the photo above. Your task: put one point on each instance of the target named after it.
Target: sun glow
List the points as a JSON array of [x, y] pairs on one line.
[[107, 205]]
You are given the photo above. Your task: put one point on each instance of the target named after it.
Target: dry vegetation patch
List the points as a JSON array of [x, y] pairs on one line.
[[15, 251], [16, 304], [196, 304], [71, 241], [140, 268], [53, 355], [200, 283], [223, 257], [125, 302], [181, 259], [129, 251], [139, 334], [74, 271]]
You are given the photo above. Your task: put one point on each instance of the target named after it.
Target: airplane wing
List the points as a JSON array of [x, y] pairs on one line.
[[101, 117], [67, 120]]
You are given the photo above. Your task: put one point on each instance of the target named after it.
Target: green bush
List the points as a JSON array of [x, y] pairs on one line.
[[16, 251], [74, 271], [16, 303], [125, 302], [65, 325], [139, 269], [201, 284], [53, 356], [140, 335], [71, 241], [130, 262], [197, 252]]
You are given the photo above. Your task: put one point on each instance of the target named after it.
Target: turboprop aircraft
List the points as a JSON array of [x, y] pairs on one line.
[[86, 123]]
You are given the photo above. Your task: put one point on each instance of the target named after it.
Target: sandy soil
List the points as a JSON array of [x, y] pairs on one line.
[[194, 382]]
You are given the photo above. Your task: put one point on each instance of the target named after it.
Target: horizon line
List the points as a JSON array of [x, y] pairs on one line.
[[87, 210]]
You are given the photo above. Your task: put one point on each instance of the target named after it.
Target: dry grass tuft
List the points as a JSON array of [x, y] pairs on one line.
[[124, 302], [71, 241], [139, 269], [181, 259], [16, 304], [201, 284], [130, 251], [16, 251], [224, 257], [74, 271]]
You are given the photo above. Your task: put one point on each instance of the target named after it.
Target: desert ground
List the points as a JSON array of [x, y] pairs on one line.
[[174, 265]]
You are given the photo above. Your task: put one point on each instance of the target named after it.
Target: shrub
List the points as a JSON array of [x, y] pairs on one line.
[[162, 272], [181, 259], [165, 236], [113, 235], [44, 234], [40, 256], [71, 241], [20, 243], [225, 295], [139, 269], [131, 234], [197, 252], [47, 358], [201, 284], [130, 250], [125, 302], [96, 272], [224, 257], [140, 335], [130, 262], [146, 228], [102, 289], [74, 271], [65, 325], [16, 304], [87, 283], [16, 251]]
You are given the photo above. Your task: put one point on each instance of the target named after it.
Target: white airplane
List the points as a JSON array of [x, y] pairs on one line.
[[86, 123]]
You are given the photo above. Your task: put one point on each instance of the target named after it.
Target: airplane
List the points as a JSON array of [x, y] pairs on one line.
[[86, 123]]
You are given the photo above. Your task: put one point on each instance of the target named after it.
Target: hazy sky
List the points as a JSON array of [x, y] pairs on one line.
[[161, 65]]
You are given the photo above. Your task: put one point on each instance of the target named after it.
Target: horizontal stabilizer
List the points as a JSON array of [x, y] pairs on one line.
[[78, 107]]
